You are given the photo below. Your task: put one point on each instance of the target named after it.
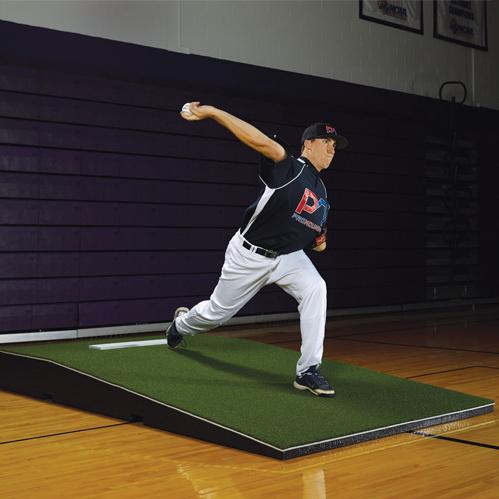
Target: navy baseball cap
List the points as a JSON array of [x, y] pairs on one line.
[[324, 131]]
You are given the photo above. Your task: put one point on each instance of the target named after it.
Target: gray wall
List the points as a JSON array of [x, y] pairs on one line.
[[321, 38]]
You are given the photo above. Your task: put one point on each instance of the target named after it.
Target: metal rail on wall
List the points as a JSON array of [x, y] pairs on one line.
[[451, 207]]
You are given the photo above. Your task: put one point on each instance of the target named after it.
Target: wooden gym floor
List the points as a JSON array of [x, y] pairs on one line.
[[52, 451]]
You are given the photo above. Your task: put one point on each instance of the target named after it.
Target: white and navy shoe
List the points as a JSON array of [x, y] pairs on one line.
[[173, 337], [314, 382]]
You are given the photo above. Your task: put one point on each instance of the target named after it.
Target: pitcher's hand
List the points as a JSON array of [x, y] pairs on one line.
[[197, 112]]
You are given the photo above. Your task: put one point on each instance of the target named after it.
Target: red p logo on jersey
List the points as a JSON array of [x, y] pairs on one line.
[[303, 204]]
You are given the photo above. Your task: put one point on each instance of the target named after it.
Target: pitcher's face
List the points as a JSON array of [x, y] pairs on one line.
[[320, 152]]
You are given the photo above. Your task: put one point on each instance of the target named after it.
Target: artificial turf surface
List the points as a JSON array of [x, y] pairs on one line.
[[247, 386]]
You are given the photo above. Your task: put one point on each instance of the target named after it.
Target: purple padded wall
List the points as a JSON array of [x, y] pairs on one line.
[[113, 210]]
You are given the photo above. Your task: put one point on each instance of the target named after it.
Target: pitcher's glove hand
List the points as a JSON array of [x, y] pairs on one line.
[[319, 243]]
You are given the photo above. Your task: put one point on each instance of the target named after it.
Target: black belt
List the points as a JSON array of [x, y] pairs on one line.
[[260, 251]]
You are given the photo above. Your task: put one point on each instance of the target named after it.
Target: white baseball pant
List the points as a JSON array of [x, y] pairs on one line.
[[244, 273]]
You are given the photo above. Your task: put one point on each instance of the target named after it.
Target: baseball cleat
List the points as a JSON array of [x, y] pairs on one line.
[[173, 337], [314, 382]]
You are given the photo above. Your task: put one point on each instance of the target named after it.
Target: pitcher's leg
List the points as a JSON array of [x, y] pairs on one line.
[[297, 276], [312, 310], [243, 275]]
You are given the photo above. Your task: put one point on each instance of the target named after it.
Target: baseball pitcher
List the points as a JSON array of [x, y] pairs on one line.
[[289, 216]]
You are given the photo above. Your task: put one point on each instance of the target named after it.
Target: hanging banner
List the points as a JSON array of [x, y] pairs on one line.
[[460, 21], [403, 14]]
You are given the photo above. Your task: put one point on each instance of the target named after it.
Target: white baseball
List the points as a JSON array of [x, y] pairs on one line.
[[186, 109]]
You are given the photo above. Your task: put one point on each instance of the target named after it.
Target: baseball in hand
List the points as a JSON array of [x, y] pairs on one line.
[[186, 109]]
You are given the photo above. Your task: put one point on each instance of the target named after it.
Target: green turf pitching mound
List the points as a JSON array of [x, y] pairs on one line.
[[240, 388]]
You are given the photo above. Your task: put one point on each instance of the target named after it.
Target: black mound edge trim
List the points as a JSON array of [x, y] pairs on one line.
[[42, 378], [408, 427]]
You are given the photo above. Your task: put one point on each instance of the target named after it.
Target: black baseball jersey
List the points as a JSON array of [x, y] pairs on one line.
[[292, 208]]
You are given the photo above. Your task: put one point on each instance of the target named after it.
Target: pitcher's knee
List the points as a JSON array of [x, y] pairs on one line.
[[318, 288], [314, 292]]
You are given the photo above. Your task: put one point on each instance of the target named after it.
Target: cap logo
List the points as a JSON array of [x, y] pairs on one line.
[[330, 129]]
